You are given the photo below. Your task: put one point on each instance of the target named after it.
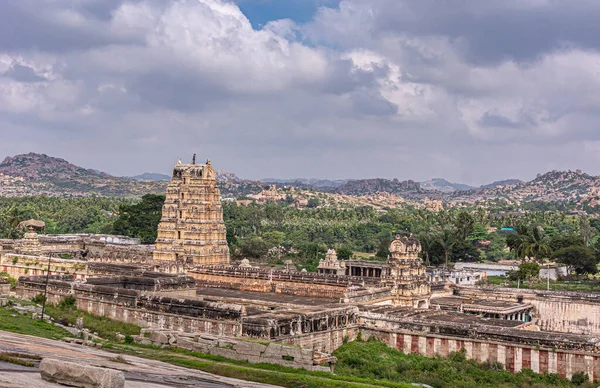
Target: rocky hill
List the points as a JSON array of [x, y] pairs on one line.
[[553, 186], [150, 176], [443, 185], [306, 183], [407, 189], [40, 174], [39, 167], [504, 182]]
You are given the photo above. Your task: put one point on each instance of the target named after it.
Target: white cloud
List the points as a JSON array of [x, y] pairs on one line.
[[419, 100]]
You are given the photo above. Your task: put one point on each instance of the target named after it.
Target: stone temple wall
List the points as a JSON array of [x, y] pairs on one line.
[[563, 311], [513, 356], [138, 307], [278, 282]]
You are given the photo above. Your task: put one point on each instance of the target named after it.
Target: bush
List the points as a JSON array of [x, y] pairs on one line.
[[68, 301], [39, 298], [579, 378], [10, 279]]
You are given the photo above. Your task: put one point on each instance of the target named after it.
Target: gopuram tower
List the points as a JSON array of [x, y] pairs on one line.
[[406, 274], [191, 230]]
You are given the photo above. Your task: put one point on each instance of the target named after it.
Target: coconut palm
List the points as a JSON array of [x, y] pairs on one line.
[[446, 239], [428, 241]]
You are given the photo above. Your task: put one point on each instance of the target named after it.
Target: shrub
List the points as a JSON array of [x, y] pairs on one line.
[[579, 378], [10, 279], [39, 298], [68, 301]]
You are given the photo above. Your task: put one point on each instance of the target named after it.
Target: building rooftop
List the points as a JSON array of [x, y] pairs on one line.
[[479, 305]]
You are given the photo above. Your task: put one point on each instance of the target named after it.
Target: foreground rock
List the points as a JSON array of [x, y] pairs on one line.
[[76, 375]]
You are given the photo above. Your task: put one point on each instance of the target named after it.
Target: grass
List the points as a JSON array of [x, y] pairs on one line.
[[260, 373], [375, 360], [13, 322], [583, 285], [105, 327], [15, 360]]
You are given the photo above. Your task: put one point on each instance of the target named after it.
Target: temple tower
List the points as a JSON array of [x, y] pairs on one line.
[[191, 229], [406, 274]]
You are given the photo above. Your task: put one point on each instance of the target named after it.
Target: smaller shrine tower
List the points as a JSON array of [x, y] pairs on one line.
[[191, 230], [405, 272]]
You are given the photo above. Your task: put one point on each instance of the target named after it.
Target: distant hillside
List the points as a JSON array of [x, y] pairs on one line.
[[407, 189], [306, 183], [556, 186], [505, 182], [38, 167], [47, 175], [443, 185], [39, 174], [150, 176]]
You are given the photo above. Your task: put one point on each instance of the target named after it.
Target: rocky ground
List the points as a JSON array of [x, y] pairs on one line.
[[139, 372]]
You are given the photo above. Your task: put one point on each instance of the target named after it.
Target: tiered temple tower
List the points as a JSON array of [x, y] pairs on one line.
[[30, 244], [406, 273], [191, 230]]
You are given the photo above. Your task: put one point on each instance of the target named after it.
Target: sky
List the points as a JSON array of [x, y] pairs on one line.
[[472, 91]]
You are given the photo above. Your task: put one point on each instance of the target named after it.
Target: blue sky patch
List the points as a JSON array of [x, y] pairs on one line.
[[260, 12]]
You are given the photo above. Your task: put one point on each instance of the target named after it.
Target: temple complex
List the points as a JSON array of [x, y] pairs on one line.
[[185, 290], [191, 230]]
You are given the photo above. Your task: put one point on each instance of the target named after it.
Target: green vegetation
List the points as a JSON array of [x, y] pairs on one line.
[[17, 358], [12, 321], [375, 360], [140, 220], [560, 285], [74, 215], [276, 232], [10, 279], [66, 313]]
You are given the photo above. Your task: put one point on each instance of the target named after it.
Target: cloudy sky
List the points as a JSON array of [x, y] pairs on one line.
[[468, 90]]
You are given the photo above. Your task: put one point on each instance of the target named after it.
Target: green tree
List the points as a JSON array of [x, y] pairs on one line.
[[252, 247], [446, 240], [497, 247], [578, 258], [478, 233], [464, 225], [344, 253], [527, 271], [313, 203], [428, 243], [560, 241], [140, 220]]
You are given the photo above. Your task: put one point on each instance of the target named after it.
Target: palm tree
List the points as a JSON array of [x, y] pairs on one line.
[[447, 241], [529, 242], [428, 241]]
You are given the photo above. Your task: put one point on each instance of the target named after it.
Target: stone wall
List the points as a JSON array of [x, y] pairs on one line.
[[564, 311], [326, 341], [17, 265], [280, 324], [278, 282], [242, 350], [514, 357], [137, 307]]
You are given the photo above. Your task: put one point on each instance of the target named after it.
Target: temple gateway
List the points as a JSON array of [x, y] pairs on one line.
[[191, 230]]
